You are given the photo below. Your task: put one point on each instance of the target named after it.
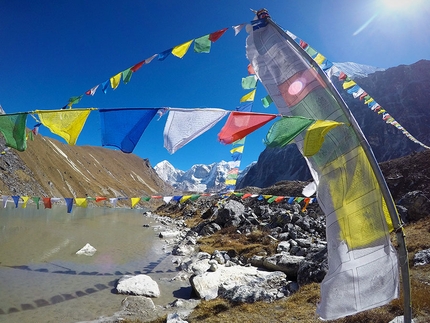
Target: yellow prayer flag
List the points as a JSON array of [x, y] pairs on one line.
[[319, 59], [369, 100], [25, 199], [266, 197], [67, 124], [134, 201], [181, 50], [114, 80], [237, 149], [81, 201], [315, 134], [248, 97], [230, 182], [184, 198], [348, 84]]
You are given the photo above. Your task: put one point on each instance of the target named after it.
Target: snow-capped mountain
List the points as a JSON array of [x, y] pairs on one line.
[[355, 70], [199, 178]]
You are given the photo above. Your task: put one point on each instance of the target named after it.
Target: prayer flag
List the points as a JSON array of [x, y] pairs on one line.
[[105, 86], [12, 126], [74, 100], [137, 66], [246, 107], [47, 202], [25, 201], [81, 201], [248, 97], [238, 28], [36, 200], [240, 124], [239, 142], [283, 131], [249, 82], [162, 56], [114, 81], [67, 124], [149, 60], [181, 50], [100, 198], [69, 204], [184, 198], [348, 84], [15, 199], [4, 199], [230, 182], [134, 201], [92, 91], [359, 278], [315, 136], [267, 100], [250, 69], [113, 201], [237, 149], [202, 44], [122, 128], [236, 156], [213, 37], [184, 125], [126, 75]]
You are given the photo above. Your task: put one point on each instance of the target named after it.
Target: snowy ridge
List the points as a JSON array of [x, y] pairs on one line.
[[199, 178], [355, 70]]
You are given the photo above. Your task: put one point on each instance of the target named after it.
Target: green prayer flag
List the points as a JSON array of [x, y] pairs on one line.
[[202, 44], [285, 130], [238, 194], [249, 82], [239, 142], [146, 198], [126, 75], [194, 197], [36, 200], [75, 99], [12, 126], [272, 199], [267, 100]]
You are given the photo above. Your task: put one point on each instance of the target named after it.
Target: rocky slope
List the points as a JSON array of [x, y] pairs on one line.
[[404, 91], [51, 168]]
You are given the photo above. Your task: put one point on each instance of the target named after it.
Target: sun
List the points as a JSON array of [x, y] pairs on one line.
[[401, 5]]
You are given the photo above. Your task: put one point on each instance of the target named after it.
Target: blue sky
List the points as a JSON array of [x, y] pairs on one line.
[[53, 50]]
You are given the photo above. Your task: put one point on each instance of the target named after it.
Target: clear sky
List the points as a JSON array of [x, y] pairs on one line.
[[53, 50]]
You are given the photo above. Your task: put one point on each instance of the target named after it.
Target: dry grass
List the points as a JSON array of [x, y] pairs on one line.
[[237, 244]]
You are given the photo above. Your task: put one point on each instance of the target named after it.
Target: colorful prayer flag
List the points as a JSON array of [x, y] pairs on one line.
[[267, 100], [202, 44], [283, 131], [114, 81], [248, 97], [181, 50], [213, 37], [249, 82], [12, 126], [126, 75], [92, 91], [315, 136]]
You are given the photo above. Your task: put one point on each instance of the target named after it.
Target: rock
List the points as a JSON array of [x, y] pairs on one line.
[[207, 285], [141, 285], [422, 258], [417, 205], [313, 268], [219, 257], [174, 318], [285, 263], [283, 246], [87, 250], [169, 234], [230, 214], [399, 319], [209, 229], [140, 305]]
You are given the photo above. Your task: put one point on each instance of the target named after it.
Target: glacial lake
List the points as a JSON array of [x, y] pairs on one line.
[[43, 280]]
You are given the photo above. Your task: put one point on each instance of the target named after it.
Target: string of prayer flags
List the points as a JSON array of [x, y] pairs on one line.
[[248, 97], [129, 125], [315, 134], [67, 124], [283, 131], [12, 126], [267, 100], [184, 125], [240, 124], [181, 50]]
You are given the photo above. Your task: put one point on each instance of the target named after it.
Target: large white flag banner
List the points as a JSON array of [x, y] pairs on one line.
[[363, 268]]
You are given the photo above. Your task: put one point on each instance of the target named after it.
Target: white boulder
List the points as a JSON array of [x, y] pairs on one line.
[[141, 285], [87, 250]]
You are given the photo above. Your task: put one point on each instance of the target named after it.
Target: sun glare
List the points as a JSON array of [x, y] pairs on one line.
[[401, 5]]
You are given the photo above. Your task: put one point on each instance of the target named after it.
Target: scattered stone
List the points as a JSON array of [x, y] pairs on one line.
[[422, 258]]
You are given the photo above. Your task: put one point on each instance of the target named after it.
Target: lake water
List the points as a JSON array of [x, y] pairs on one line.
[[43, 280]]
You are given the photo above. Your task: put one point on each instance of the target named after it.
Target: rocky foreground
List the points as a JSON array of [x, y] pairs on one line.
[[237, 250]]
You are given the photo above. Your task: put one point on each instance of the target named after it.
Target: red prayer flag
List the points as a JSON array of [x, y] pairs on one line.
[[213, 37], [279, 199], [240, 124], [342, 76], [100, 198], [245, 196], [363, 95], [137, 66], [250, 70], [303, 44], [47, 202]]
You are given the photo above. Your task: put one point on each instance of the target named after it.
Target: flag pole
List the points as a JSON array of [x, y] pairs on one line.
[[398, 228]]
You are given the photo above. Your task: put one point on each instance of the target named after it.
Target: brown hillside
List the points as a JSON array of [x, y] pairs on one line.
[[51, 168]]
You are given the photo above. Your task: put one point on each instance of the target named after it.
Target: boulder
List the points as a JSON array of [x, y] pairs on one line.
[[422, 258], [285, 263], [230, 214], [313, 268], [417, 204], [141, 285], [209, 229]]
